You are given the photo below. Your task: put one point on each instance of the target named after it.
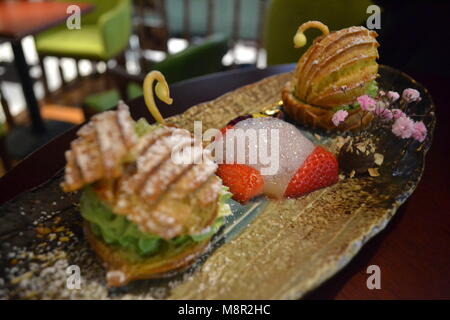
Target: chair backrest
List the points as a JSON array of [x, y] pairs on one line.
[[116, 27], [239, 19], [196, 60]]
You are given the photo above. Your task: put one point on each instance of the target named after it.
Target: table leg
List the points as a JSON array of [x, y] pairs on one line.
[[22, 140], [27, 86]]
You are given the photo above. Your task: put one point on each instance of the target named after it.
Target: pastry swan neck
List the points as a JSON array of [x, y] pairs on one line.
[[300, 38], [162, 92]]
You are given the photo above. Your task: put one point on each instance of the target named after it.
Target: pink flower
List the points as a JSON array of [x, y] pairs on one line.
[[393, 96], [384, 113], [411, 95], [403, 127], [366, 103], [420, 131], [339, 117], [397, 113]]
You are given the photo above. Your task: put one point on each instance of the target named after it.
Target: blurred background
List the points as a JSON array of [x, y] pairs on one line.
[[71, 74]]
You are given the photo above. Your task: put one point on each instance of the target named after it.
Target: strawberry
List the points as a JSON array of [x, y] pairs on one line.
[[223, 131], [244, 182], [319, 170], [227, 127]]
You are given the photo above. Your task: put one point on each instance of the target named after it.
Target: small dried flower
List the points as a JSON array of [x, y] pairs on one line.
[[393, 96], [419, 131], [386, 114], [367, 103], [411, 95], [397, 113], [403, 127], [382, 112], [339, 117]]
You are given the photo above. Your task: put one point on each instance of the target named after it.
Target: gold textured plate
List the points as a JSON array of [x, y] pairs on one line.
[[267, 250]]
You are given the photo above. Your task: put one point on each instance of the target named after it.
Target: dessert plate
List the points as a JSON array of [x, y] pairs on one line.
[[267, 249]]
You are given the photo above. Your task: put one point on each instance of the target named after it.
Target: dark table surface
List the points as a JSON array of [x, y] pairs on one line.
[[413, 252], [22, 18]]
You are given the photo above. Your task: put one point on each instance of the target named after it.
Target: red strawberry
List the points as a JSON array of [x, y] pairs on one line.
[[227, 127], [244, 182], [222, 131], [319, 170]]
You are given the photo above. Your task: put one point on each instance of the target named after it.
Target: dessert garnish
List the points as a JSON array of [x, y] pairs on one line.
[[145, 214], [302, 167], [162, 92], [337, 68], [359, 154]]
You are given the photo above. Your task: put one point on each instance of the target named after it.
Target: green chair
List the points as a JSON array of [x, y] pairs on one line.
[[100, 102], [103, 35], [285, 16], [196, 60]]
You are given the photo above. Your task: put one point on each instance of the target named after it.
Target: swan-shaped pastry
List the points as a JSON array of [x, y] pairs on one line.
[[145, 212], [336, 69]]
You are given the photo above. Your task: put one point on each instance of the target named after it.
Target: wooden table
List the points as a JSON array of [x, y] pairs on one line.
[[413, 251], [17, 20]]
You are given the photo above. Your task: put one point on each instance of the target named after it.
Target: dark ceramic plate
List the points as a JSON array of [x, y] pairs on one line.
[[267, 249]]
